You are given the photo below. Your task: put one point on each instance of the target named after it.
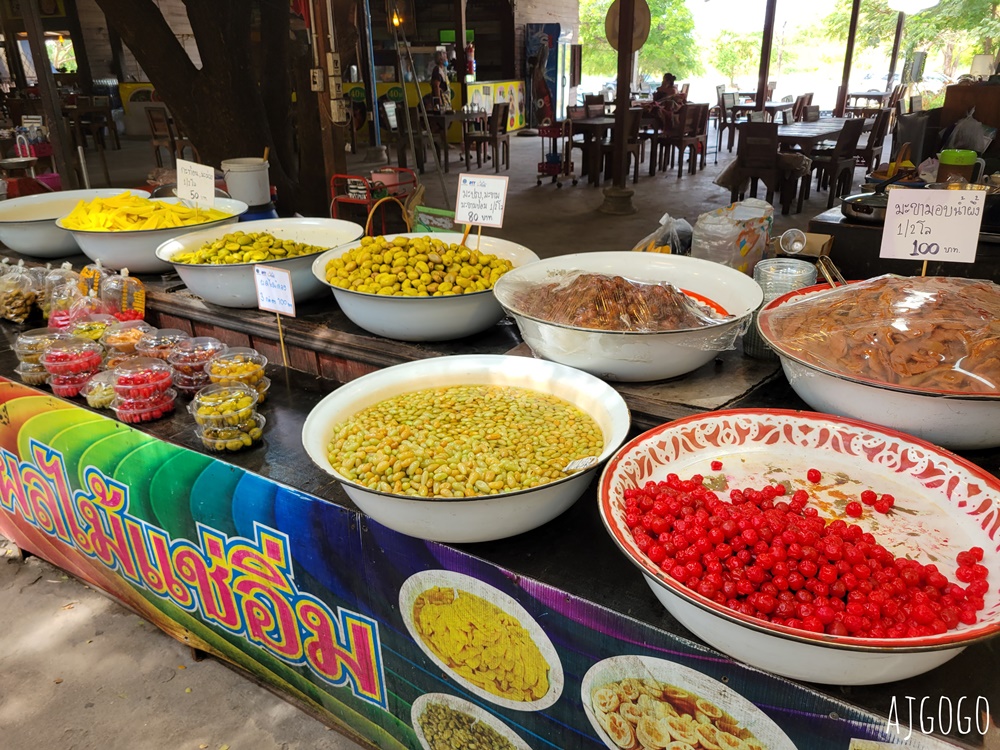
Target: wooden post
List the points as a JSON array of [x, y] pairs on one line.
[[852, 32], [895, 51], [623, 92], [332, 136], [765, 53], [85, 74], [51, 105], [461, 61]]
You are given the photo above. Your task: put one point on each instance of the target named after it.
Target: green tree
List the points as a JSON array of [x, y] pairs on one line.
[[737, 54], [670, 47]]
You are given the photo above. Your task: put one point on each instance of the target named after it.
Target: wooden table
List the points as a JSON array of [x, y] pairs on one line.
[[441, 121], [771, 108], [595, 130], [79, 112], [869, 97], [807, 135]]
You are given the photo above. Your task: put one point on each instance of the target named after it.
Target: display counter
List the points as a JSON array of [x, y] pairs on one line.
[[856, 252], [261, 559]]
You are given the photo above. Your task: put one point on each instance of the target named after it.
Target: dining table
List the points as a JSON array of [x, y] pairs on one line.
[[595, 130], [81, 114], [771, 108], [807, 135], [442, 121], [879, 97]]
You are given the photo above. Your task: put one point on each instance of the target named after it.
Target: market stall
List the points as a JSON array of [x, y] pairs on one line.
[[549, 638]]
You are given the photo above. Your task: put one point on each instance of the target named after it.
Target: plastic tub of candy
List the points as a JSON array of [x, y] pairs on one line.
[[142, 378], [32, 374], [69, 386], [232, 437], [132, 412], [190, 356], [237, 366], [100, 390], [161, 343], [123, 336], [31, 345], [73, 356], [224, 405]]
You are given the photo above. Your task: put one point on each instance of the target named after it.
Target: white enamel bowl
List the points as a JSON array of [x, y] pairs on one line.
[[635, 356], [685, 685], [462, 706], [232, 284], [943, 504], [28, 224], [960, 421], [136, 249], [425, 318], [481, 518], [420, 582]]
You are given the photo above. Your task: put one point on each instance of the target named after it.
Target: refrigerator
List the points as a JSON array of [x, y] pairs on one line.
[[547, 58]]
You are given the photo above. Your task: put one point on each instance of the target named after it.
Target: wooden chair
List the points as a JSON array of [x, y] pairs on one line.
[[756, 159], [916, 103], [835, 169], [691, 134], [685, 88], [757, 116], [633, 119], [495, 136], [727, 121], [715, 113], [650, 129], [421, 138], [798, 107], [160, 133], [182, 142], [869, 153]]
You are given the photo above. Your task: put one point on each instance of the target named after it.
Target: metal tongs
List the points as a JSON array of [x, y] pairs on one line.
[[830, 272]]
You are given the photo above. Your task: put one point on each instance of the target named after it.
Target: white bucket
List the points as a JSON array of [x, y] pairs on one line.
[[247, 180]]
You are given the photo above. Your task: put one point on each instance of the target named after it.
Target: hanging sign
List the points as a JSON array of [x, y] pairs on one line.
[[196, 183], [481, 200], [274, 290], [933, 225]]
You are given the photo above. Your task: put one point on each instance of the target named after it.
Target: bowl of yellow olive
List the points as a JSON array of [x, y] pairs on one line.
[[217, 265], [420, 287], [466, 448]]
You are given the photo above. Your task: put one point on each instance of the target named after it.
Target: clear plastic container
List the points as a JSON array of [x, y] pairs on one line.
[[132, 412], [124, 296], [262, 386], [190, 356], [31, 345], [142, 378], [224, 405], [70, 385], [92, 326], [32, 374], [237, 366], [233, 437], [73, 356], [161, 343], [99, 390], [124, 335], [189, 385]]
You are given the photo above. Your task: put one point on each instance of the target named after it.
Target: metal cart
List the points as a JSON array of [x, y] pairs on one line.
[[556, 161]]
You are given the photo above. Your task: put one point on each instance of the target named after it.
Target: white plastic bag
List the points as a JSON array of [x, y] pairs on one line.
[[968, 134], [735, 236], [671, 236]]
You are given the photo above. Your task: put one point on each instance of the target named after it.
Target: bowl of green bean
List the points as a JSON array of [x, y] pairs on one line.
[[466, 448]]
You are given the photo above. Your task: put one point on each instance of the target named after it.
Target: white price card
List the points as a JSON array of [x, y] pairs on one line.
[[196, 183], [938, 225], [481, 200], [274, 290]]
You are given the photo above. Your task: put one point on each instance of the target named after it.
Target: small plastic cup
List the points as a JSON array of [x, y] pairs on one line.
[[73, 356], [123, 337], [160, 343], [190, 356], [99, 390], [69, 386], [134, 413], [32, 374], [142, 378], [221, 405], [237, 367], [234, 437], [31, 345]]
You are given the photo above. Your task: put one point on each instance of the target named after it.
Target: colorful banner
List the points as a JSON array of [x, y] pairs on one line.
[[485, 95], [402, 641]]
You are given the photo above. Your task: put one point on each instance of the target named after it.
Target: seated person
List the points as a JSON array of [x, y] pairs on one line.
[[667, 89]]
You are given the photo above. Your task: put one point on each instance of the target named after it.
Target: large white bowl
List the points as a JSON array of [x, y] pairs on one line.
[[425, 318], [232, 284], [28, 224], [482, 518], [635, 356], [681, 680], [943, 503], [136, 249], [951, 419]]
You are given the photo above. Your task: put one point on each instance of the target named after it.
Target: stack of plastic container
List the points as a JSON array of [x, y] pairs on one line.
[[142, 390], [189, 358], [160, 343], [29, 348], [227, 417], [70, 363], [121, 338]]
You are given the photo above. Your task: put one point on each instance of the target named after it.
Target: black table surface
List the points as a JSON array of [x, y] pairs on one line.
[[573, 552]]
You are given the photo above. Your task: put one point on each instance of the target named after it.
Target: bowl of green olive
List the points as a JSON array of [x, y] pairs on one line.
[[420, 287], [466, 448], [218, 265]]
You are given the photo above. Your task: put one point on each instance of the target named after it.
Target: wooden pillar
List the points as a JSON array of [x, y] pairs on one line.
[[623, 92], [461, 61], [13, 50], [84, 74], [51, 105], [895, 51], [765, 53], [331, 136], [117, 54], [852, 32]]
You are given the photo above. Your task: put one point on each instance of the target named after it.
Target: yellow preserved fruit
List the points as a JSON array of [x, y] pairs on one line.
[[246, 247], [463, 441], [128, 213], [415, 267]]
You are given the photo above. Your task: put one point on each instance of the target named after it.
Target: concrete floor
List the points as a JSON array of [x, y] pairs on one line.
[[79, 672]]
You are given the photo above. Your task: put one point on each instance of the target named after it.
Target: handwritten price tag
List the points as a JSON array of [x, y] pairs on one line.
[[481, 200], [274, 290], [196, 183], [938, 225]]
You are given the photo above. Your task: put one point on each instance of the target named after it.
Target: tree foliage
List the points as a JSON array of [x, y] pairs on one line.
[[671, 45], [738, 54]]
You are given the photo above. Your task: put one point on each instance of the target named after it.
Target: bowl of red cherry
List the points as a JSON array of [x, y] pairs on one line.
[[815, 547]]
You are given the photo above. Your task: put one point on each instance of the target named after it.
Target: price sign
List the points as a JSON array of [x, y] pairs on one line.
[[481, 200], [937, 225], [196, 183], [274, 290]]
